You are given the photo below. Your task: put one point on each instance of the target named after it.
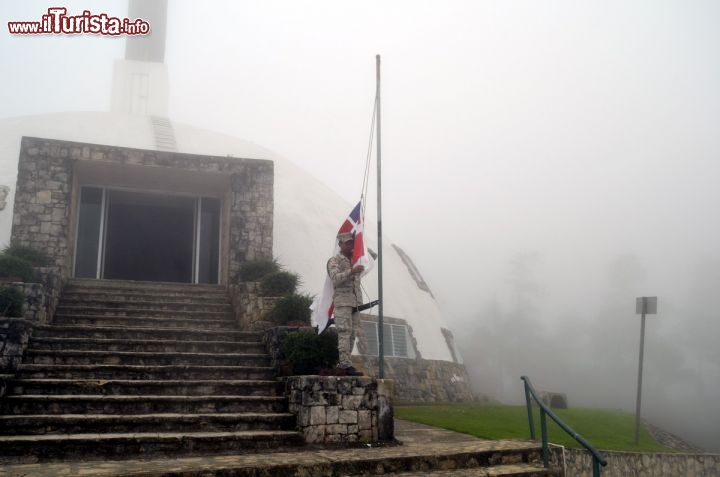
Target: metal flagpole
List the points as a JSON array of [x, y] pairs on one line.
[[381, 348]]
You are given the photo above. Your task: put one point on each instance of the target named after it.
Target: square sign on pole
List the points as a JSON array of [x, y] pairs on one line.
[[646, 305]]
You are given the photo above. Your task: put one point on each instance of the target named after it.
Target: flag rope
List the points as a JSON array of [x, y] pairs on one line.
[[365, 184]]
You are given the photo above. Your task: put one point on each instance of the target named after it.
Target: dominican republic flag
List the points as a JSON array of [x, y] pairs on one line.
[[322, 308]]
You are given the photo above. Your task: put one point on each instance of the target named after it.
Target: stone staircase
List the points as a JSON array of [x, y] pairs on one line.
[[135, 369], [156, 380]]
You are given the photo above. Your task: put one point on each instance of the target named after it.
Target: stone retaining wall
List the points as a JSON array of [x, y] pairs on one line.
[[14, 335], [41, 299], [422, 380], [341, 410], [38, 309], [251, 309], [631, 464], [273, 339]]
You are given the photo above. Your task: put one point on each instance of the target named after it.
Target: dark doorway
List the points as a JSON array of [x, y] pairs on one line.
[[149, 237]]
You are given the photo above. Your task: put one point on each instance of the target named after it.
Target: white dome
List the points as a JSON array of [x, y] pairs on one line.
[[307, 213]]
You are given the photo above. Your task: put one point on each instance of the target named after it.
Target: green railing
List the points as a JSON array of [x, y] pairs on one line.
[[530, 395]]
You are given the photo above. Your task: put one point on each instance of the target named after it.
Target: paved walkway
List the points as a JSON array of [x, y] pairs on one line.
[[415, 438]]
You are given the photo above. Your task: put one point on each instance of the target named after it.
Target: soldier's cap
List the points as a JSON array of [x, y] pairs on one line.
[[344, 237]]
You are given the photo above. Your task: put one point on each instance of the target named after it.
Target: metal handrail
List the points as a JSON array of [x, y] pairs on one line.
[[597, 458]]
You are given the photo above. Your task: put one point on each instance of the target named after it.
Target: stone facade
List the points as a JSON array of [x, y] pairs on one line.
[[341, 410], [41, 218], [251, 212], [578, 463], [47, 184]]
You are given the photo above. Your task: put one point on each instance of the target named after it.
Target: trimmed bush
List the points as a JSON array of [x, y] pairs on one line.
[[11, 301], [16, 267], [257, 269], [35, 257], [292, 308], [278, 284], [309, 352]]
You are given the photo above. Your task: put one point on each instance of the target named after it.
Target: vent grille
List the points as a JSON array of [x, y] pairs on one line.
[[164, 134]]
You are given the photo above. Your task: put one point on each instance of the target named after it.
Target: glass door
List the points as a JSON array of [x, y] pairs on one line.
[[131, 235]]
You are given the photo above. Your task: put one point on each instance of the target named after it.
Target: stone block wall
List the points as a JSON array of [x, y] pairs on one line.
[[341, 410], [251, 218], [578, 463], [41, 217]]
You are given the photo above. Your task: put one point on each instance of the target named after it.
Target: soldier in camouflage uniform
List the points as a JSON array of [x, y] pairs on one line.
[[347, 295]]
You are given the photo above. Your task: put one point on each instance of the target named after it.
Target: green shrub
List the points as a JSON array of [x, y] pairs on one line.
[[16, 267], [308, 352], [11, 301], [35, 257], [255, 270], [278, 284], [292, 308]]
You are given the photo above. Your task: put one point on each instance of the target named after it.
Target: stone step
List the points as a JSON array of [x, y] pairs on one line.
[[76, 357], [140, 294], [123, 372], [71, 303], [457, 459], [138, 404], [66, 310], [199, 322], [510, 470], [153, 346], [135, 386], [104, 424], [142, 333], [142, 286], [83, 295], [116, 446], [439, 459]]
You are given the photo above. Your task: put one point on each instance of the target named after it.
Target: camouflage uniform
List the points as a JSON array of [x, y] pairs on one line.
[[346, 296]]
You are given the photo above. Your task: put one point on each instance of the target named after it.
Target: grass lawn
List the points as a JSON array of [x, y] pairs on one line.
[[605, 430]]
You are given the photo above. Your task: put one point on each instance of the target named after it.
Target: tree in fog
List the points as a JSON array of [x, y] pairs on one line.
[[507, 334]]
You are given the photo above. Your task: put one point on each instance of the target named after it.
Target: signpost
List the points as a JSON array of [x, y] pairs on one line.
[[644, 305]]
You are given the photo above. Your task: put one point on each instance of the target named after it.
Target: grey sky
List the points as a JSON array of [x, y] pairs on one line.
[[556, 126], [583, 131]]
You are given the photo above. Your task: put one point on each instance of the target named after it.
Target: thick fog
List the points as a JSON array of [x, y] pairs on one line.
[[544, 163]]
